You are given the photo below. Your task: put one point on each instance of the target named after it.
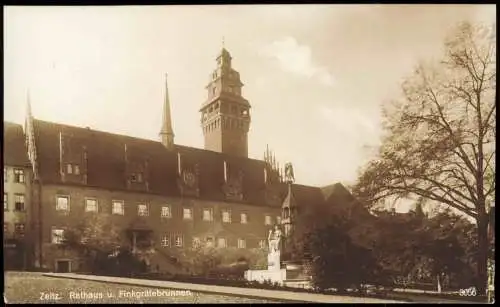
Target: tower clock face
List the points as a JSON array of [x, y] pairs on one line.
[[189, 179]]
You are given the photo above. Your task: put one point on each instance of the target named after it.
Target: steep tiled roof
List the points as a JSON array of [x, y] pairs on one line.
[[337, 194], [14, 148], [106, 165]]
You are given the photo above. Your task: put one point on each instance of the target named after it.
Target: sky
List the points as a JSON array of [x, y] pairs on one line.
[[316, 76]]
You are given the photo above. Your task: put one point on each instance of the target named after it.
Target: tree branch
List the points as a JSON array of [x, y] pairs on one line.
[[450, 131], [433, 196]]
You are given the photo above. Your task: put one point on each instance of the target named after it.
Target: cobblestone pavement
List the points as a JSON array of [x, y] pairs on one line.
[[29, 287]]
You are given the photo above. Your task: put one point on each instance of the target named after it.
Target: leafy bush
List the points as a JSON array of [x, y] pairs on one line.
[[207, 261]]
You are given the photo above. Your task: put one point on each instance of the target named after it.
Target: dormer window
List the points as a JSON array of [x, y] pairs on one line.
[[72, 169], [136, 177]]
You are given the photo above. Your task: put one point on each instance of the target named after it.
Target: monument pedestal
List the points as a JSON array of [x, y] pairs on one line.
[[290, 275], [273, 261]]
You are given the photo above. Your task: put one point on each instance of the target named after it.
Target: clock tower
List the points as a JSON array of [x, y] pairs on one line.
[[225, 115]]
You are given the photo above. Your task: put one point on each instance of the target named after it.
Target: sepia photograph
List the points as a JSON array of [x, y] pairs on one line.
[[249, 154]]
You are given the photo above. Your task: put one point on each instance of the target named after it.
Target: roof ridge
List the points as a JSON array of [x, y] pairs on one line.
[[6, 122], [95, 130], [178, 146]]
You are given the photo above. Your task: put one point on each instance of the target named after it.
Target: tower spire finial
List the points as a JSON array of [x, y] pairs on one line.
[[223, 46], [29, 116], [166, 132], [28, 102]]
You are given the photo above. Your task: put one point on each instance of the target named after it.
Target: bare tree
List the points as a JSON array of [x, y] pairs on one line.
[[440, 142]]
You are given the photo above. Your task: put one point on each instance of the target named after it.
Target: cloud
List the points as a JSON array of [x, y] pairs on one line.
[[297, 59], [351, 122]]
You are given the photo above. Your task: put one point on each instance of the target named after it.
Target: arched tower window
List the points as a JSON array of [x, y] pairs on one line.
[[286, 213], [227, 112]]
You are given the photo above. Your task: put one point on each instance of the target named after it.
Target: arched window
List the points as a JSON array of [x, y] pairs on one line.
[[286, 213]]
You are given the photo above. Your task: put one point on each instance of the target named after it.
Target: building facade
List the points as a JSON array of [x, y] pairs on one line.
[[161, 195], [16, 199]]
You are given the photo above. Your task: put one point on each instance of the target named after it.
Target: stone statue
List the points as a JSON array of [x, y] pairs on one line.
[[274, 239], [289, 176]]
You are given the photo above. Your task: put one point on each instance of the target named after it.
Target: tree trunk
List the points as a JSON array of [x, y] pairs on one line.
[[482, 255], [438, 283]]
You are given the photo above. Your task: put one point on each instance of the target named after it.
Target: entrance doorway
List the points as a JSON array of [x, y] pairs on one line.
[[63, 266]]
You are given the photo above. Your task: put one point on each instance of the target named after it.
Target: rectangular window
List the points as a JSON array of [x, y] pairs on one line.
[[209, 241], [91, 205], [226, 216], [118, 207], [278, 220], [196, 242], [19, 202], [221, 242], [178, 241], [62, 203], [69, 169], [208, 215], [187, 213], [166, 212], [267, 220], [19, 229], [262, 243], [19, 175], [244, 218], [77, 169], [5, 227], [142, 210], [242, 243], [5, 202], [57, 235], [165, 241]]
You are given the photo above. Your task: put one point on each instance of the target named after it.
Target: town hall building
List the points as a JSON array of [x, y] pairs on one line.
[[172, 196]]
